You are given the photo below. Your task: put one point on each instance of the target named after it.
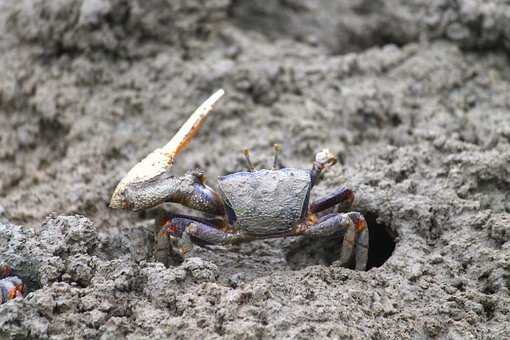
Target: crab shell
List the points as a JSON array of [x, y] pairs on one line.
[[266, 202], [161, 160]]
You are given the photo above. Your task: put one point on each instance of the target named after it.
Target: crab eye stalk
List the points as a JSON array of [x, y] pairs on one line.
[[134, 190], [277, 150], [246, 153]]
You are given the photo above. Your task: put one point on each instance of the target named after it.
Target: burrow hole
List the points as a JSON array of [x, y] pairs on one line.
[[324, 251]]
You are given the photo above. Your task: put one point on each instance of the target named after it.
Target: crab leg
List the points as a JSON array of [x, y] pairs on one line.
[[148, 183], [188, 231], [10, 286], [352, 226], [342, 195], [361, 250]]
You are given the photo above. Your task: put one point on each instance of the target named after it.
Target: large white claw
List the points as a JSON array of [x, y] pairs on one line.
[[161, 159]]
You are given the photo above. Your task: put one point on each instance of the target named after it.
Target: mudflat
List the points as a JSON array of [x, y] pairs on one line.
[[412, 97]]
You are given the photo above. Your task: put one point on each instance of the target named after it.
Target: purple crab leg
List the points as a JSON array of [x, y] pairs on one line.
[[342, 195], [188, 231]]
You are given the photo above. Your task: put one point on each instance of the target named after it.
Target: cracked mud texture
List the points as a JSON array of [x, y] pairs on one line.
[[412, 96]]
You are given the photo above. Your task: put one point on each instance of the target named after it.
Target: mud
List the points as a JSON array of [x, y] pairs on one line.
[[412, 96]]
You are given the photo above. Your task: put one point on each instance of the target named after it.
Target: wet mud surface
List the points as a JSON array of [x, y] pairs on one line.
[[412, 97]]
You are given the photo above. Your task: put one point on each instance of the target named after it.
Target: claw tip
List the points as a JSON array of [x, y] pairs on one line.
[[161, 159]]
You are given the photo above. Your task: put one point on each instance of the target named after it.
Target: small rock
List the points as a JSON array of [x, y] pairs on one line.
[[201, 270]]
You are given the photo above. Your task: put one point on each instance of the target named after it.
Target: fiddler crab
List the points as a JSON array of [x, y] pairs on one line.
[[249, 205], [11, 286]]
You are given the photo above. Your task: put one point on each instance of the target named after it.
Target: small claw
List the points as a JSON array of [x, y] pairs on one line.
[[325, 159], [160, 160]]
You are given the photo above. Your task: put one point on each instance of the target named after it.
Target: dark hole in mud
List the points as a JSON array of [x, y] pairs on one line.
[[382, 242], [31, 283], [30, 286], [324, 251]]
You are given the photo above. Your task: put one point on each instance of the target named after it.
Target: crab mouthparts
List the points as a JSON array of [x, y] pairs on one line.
[[161, 159]]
